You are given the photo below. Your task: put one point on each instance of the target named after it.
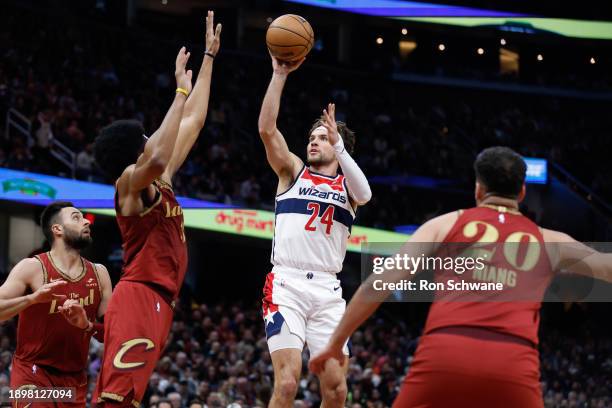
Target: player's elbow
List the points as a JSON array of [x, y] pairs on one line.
[[157, 164], [363, 197], [265, 132], [367, 196], [195, 123], [4, 316], [266, 126], [264, 129]]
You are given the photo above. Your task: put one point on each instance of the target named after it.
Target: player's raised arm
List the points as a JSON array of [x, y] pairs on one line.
[[366, 300], [358, 186], [106, 287], [196, 107], [570, 256], [284, 163], [159, 148], [13, 298]]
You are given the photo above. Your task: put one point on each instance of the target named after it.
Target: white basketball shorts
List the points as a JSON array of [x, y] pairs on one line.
[[301, 307]]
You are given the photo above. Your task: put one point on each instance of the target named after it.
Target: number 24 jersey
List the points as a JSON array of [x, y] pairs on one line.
[[313, 221]]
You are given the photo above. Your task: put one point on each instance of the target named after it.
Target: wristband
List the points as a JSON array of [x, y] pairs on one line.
[[210, 54], [182, 91], [339, 146]]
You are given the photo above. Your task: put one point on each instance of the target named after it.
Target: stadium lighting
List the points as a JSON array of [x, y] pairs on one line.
[[441, 47], [540, 57], [404, 31], [164, 2], [480, 51], [592, 60], [379, 40], [502, 41]]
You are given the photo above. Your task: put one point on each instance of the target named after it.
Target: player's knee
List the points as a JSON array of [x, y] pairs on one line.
[[286, 387], [335, 392]]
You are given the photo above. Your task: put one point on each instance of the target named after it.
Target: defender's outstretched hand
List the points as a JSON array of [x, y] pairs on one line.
[[183, 76], [318, 362], [285, 67], [329, 116], [213, 37]]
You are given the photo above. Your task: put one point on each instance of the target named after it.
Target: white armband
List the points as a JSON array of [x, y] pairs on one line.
[[359, 188]]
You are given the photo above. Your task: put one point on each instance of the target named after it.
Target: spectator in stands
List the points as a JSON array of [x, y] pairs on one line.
[[19, 158], [154, 400], [215, 400], [43, 133], [76, 137], [164, 403], [85, 163], [196, 403], [175, 399], [249, 191]]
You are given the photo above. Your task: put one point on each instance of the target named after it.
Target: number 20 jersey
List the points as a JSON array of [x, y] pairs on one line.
[[313, 221]]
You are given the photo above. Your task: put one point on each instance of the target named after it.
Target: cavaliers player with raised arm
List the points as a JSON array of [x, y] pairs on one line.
[[50, 351], [151, 223], [481, 353], [315, 208]]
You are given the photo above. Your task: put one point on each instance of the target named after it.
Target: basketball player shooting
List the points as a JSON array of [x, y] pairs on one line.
[[151, 224], [315, 208], [480, 353], [53, 352]]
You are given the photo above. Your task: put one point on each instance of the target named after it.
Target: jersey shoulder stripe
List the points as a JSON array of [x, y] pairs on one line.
[[334, 182]]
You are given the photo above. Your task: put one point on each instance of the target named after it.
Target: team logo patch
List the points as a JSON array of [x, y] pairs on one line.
[[125, 347], [274, 323]]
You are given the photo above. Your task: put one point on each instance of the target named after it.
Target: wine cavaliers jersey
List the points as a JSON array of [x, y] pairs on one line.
[[312, 223], [44, 336], [517, 259], [154, 248]]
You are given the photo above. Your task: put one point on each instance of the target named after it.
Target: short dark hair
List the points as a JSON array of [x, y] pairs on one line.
[[348, 136], [118, 146], [501, 170], [49, 217]]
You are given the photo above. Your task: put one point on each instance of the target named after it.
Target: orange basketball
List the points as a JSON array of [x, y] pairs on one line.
[[290, 37]]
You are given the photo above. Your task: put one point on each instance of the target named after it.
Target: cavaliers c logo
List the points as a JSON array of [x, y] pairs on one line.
[[125, 347]]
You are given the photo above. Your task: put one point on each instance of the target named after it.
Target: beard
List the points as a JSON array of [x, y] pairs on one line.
[[76, 240], [318, 160]]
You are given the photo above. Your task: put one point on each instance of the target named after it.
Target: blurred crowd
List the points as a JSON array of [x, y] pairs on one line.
[[71, 79], [216, 356], [71, 82]]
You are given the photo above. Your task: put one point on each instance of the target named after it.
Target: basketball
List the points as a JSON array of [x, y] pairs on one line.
[[290, 37]]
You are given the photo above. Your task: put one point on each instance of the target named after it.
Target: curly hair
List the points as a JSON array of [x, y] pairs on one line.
[[348, 136], [118, 146]]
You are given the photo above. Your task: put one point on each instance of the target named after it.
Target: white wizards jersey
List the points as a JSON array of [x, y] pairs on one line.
[[313, 223]]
